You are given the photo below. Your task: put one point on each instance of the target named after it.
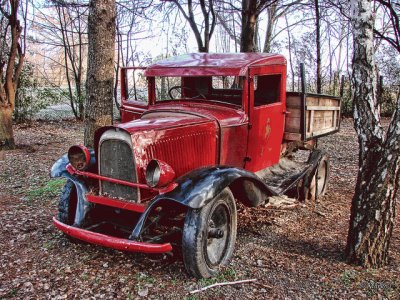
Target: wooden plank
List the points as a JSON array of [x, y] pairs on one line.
[[320, 132], [293, 112], [290, 136], [293, 101], [292, 125], [311, 122], [319, 124], [322, 107], [315, 101], [334, 121]]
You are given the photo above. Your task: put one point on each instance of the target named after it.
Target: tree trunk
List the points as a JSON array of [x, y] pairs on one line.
[[249, 21], [271, 12], [6, 129], [9, 79], [318, 45], [100, 73], [373, 204]]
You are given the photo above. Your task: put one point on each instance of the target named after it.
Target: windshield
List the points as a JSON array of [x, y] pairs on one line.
[[226, 89]]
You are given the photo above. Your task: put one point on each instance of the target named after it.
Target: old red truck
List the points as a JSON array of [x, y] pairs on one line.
[[214, 129]]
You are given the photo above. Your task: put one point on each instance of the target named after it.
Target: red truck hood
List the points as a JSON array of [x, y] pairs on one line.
[[160, 120], [225, 115], [169, 115], [178, 138]]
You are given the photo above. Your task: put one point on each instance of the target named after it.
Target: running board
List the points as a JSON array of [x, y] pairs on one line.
[[284, 175]]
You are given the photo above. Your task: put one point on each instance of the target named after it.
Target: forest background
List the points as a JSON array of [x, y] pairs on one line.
[[316, 33]]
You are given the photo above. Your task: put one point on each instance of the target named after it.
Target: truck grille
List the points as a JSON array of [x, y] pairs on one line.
[[116, 161]]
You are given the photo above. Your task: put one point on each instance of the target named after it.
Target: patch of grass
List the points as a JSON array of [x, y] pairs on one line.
[[372, 287], [144, 279], [5, 175], [50, 190], [349, 277], [229, 274], [130, 296], [48, 245], [85, 277]]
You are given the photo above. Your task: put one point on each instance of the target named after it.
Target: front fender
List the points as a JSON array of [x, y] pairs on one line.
[[59, 168], [83, 206], [199, 187]]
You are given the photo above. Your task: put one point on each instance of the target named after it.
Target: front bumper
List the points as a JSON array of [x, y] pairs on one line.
[[110, 241]]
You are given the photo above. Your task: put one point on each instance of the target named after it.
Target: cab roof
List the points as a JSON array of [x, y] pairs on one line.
[[206, 64]]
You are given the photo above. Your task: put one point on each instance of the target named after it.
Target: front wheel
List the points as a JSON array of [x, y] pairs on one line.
[[67, 203], [67, 207], [209, 235]]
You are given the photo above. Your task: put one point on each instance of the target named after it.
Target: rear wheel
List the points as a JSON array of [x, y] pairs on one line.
[[322, 176], [315, 185], [209, 235]]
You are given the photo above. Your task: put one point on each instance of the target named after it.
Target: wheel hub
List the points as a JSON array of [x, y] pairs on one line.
[[215, 233]]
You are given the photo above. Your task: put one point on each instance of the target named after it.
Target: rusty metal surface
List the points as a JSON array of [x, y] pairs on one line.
[[110, 241], [201, 64], [224, 114], [171, 145]]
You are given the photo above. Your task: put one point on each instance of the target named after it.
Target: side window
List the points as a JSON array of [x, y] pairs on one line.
[[226, 83], [267, 89], [136, 86], [227, 89]]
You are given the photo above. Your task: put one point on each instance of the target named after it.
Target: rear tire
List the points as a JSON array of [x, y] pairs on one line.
[[316, 184], [209, 236]]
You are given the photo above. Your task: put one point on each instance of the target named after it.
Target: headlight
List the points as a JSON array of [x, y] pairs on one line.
[[79, 157], [159, 173]]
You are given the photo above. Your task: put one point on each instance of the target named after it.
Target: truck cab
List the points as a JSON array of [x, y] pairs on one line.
[[200, 133]]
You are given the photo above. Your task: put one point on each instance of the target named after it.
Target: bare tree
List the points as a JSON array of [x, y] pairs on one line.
[[73, 28], [100, 73], [392, 35], [62, 31], [318, 44], [208, 21], [12, 55], [373, 204], [275, 11], [251, 9]]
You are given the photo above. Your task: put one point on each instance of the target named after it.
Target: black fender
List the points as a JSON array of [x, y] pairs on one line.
[[83, 206], [199, 187]]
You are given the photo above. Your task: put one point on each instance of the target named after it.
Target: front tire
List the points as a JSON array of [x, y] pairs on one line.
[[67, 204], [209, 236]]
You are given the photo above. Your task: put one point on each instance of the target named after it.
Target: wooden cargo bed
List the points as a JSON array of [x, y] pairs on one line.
[[310, 116]]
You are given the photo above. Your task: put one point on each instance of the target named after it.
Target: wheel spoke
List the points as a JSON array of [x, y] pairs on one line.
[[218, 231], [321, 177]]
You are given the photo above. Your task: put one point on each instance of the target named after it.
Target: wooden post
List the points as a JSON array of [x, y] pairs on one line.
[[303, 102]]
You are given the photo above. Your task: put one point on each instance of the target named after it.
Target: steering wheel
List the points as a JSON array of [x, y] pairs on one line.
[[176, 87]]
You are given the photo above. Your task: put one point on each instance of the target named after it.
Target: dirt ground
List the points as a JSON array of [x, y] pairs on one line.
[[292, 253]]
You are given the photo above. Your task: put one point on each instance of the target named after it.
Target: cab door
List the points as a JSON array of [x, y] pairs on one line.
[[267, 92]]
